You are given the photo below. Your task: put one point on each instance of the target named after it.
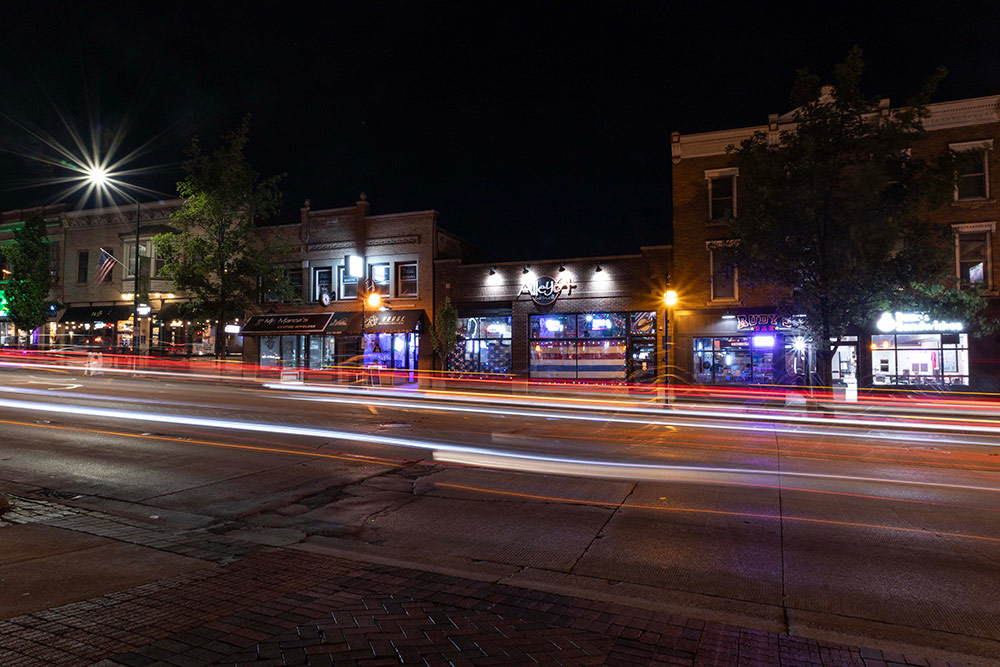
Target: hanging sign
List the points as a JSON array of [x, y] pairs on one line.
[[546, 289]]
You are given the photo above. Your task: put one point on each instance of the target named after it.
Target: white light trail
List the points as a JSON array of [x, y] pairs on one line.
[[461, 453]]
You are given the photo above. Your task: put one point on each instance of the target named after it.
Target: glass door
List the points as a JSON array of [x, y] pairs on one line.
[[642, 360]]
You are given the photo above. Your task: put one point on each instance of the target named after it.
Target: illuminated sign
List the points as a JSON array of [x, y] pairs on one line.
[[3, 303], [355, 266], [763, 322], [232, 328], [905, 322], [546, 289]]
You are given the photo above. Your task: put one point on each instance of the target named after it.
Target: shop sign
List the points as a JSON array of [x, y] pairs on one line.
[[914, 322], [3, 303], [546, 289], [763, 322]]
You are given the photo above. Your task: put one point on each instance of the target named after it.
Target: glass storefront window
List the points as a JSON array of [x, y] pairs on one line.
[[644, 324], [920, 359], [732, 360], [748, 359], [553, 359], [270, 352], [703, 359], [601, 325], [483, 346], [553, 326], [602, 359]]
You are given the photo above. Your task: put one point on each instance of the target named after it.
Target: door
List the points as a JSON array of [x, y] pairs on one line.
[[642, 360]]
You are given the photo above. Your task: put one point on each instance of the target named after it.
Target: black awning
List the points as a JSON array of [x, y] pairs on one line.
[[393, 321], [287, 323], [349, 322], [91, 314]]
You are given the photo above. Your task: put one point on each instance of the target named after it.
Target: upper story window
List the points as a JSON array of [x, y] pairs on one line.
[[724, 276], [147, 258], [82, 266], [406, 279], [323, 283], [348, 285], [974, 254], [380, 276], [972, 169], [721, 193]]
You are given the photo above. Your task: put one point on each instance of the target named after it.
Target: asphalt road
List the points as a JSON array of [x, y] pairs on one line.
[[831, 528]]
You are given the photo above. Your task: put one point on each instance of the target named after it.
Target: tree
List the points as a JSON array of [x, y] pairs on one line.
[[31, 278], [444, 331], [216, 257], [834, 217]]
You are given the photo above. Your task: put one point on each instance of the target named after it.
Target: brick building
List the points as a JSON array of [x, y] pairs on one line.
[[595, 318], [322, 326], [98, 313], [728, 335]]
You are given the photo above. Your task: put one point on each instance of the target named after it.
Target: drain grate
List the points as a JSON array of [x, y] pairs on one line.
[[58, 495]]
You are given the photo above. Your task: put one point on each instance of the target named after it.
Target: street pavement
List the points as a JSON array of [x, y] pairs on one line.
[[184, 597]]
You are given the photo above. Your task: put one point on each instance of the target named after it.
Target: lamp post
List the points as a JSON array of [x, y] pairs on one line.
[[372, 299], [99, 177], [669, 300]]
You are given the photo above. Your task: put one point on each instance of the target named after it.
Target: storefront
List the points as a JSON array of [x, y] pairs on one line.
[[915, 349], [746, 348], [105, 327], [587, 320], [387, 340]]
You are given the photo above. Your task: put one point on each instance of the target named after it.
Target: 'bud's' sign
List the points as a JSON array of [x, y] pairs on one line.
[[546, 289], [763, 322]]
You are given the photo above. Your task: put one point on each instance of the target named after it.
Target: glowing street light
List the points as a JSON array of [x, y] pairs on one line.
[[100, 179], [670, 298]]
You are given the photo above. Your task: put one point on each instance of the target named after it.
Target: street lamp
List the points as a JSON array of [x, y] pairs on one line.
[[669, 300], [99, 178]]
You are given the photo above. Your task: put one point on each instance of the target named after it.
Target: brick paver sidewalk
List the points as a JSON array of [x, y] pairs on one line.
[[272, 606]]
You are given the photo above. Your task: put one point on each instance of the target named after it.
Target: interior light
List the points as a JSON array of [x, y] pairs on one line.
[[763, 341]]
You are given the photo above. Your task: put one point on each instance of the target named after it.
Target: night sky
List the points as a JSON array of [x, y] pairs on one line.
[[535, 129]]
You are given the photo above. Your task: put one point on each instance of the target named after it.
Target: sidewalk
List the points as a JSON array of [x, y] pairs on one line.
[[250, 604]]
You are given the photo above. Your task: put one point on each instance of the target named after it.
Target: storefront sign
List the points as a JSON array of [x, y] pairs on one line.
[[546, 289], [288, 324], [3, 303], [914, 322], [763, 322]]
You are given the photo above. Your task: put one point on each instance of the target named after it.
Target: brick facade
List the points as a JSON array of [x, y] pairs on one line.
[[949, 123]]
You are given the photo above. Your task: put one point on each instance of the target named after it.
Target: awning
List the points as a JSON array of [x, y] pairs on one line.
[[392, 321], [91, 314], [287, 323], [344, 322]]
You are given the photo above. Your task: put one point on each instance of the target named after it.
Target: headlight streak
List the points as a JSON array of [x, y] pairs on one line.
[[669, 418], [987, 426], [472, 455]]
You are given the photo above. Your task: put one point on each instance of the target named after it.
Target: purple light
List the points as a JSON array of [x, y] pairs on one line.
[[763, 341]]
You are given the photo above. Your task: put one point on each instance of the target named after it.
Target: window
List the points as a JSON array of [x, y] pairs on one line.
[[379, 275], [82, 266], [483, 346], [974, 254], [971, 171], [725, 277], [322, 283], [721, 194], [54, 260], [406, 279], [295, 280], [922, 358], [130, 258], [348, 285], [592, 345]]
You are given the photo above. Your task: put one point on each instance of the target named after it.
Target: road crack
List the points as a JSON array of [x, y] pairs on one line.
[[600, 532]]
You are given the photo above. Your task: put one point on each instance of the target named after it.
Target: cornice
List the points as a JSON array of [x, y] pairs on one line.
[[347, 245]]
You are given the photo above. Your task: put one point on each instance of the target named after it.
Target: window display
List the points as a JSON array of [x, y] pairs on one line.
[[920, 359], [736, 359], [593, 346], [483, 345]]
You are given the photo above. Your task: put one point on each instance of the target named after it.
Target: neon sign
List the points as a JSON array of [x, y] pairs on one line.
[[763, 322]]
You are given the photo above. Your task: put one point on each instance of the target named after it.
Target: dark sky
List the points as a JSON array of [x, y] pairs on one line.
[[536, 129]]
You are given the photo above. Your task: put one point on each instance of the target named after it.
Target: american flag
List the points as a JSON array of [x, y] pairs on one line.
[[104, 268]]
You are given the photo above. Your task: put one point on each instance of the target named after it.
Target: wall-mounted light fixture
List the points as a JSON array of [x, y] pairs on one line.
[[598, 269], [493, 270], [562, 268], [525, 269]]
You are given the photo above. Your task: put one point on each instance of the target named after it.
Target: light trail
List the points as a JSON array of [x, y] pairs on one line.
[[477, 456], [745, 515]]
